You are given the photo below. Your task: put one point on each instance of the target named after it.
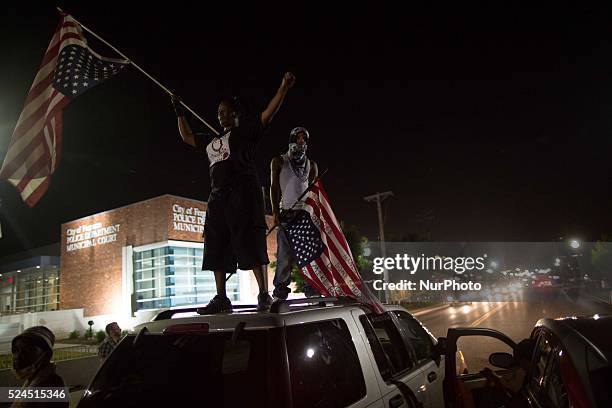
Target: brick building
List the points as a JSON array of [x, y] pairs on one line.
[[142, 257]]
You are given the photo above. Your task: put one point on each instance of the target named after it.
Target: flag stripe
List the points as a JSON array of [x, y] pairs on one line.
[[34, 136], [342, 251], [316, 281], [336, 246], [319, 277], [22, 171], [29, 177], [342, 271], [324, 262], [21, 140], [35, 190], [320, 267], [41, 84], [333, 223], [330, 266]]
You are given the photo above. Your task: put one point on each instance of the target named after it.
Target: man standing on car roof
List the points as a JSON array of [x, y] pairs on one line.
[[290, 175]]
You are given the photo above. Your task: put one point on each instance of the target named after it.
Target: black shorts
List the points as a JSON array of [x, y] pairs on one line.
[[235, 229]]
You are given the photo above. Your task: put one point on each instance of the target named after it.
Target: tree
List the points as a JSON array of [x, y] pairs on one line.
[[357, 244], [601, 258]]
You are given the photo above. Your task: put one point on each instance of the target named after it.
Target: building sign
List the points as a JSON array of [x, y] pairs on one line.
[[189, 219], [87, 236]]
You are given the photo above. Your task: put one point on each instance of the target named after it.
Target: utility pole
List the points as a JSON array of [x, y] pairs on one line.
[[379, 198]]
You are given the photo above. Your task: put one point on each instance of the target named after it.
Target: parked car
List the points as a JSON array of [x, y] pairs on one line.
[[322, 352], [571, 366]]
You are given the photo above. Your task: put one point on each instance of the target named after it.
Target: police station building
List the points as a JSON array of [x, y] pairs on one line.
[[127, 263]]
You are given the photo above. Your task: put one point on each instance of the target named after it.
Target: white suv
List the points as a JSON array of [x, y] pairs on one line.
[[322, 352]]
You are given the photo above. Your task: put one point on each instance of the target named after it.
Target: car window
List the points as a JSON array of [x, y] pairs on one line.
[[538, 368], [390, 352], [325, 368], [382, 361], [416, 336], [178, 369], [555, 389], [473, 354]]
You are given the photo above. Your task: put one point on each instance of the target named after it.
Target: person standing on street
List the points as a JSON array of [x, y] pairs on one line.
[[113, 335]]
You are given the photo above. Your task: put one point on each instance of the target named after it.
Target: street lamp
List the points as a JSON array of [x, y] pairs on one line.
[[575, 244]]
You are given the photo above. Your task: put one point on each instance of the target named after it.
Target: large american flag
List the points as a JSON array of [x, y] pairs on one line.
[[69, 68], [321, 250]]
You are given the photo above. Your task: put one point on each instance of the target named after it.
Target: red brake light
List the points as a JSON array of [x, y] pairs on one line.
[[186, 328]]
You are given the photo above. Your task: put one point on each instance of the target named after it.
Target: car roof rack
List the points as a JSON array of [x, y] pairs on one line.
[[167, 314], [280, 306], [283, 306]]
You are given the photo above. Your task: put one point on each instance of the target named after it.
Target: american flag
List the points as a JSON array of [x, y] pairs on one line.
[[69, 68], [321, 250]]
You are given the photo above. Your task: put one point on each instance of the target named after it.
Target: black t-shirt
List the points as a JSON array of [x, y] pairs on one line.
[[231, 154]]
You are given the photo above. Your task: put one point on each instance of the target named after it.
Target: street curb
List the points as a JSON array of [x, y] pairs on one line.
[[420, 312]]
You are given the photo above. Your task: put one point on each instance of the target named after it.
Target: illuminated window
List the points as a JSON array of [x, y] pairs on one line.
[[171, 276], [32, 291]]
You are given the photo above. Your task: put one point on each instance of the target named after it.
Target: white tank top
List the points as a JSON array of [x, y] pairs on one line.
[[291, 185]]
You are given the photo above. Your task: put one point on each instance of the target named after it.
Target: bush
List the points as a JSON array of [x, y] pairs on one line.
[[74, 335], [88, 334], [100, 335]]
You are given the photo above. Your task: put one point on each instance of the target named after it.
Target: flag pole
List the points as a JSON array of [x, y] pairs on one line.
[[140, 69]]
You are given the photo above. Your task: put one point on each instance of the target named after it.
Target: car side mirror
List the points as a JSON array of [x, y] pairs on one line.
[[502, 360]]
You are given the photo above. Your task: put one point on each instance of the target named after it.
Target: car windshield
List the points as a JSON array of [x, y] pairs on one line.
[[186, 369]]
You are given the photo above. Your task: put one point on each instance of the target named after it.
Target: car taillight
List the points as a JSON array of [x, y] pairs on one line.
[[187, 328]]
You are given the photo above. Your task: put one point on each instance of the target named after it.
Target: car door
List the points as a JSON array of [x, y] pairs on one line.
[[470, 389], [422, 346], [401, 382]]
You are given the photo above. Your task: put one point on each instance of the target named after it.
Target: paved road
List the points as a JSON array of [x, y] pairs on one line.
[[515, 319]]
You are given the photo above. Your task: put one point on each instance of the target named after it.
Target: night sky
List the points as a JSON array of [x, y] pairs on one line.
[[496, 120]]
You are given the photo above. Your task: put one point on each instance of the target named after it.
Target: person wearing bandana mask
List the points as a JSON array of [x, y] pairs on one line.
[[32, 351], [290, 174]]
